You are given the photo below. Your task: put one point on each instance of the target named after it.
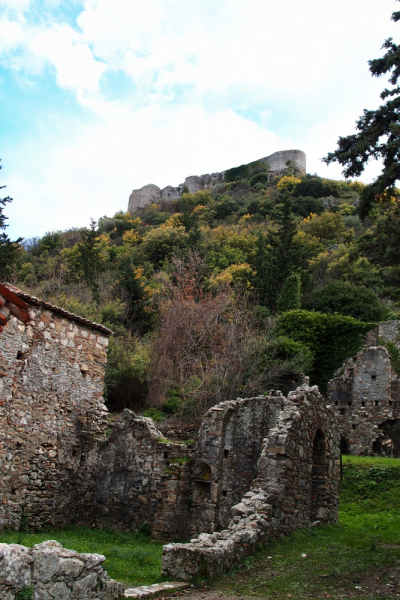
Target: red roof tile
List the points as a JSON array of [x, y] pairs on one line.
[[37, 302]]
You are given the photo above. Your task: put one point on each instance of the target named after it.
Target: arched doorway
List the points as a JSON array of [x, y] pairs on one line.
[[319, 475]]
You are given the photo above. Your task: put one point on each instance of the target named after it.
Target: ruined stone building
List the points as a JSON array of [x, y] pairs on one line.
[[277, 162], [366, 396], [294, 481], [52, 415], [259, 467]]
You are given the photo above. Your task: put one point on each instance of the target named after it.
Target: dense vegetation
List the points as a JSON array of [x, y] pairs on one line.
[[227, 292]]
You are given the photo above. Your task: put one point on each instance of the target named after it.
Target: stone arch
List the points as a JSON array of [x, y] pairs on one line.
[[319, 477]]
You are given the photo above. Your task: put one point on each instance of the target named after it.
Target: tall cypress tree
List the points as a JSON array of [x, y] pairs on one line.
[[290, 296], [277, 255]]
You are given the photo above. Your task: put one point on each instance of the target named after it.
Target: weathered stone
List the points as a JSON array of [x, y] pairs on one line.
[[302, 445], [53, 576], [278, 162], [15, 566], [52, 416], [151, 590], [366, 396], [143, 197]]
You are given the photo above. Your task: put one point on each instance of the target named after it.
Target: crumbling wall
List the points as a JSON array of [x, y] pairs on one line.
[[52, 417], [225, 462], [143, 479], [278, 164], [366, 396], [296, 484], [54, 573], [176, 489]]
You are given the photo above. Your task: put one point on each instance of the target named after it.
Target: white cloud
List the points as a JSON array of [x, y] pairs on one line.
[[11, 34], [75, 66]]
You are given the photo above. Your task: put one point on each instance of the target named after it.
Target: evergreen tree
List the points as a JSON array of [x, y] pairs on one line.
[[89, 259], [132, 288], [290, 296], [8, 248], [277, 255], [379, 133]]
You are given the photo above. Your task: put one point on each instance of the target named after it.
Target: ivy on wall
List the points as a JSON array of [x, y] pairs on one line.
[[331, 338]]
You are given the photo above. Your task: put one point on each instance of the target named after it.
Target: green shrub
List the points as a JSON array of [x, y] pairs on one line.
[[394, 353], [126, 372], [310, 187], [331, 338], [237, 173], [173, 404], [347, 299], [259, 178], [305, 206], [154, 414]]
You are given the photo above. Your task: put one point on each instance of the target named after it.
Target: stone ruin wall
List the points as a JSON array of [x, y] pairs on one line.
[[143, 479], [261, 467], [278, 164], [55, 573], [366, 397], [296, 485], [181, 489], [52, 418]]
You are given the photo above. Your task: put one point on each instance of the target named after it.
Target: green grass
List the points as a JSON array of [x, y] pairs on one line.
[[132, 558]]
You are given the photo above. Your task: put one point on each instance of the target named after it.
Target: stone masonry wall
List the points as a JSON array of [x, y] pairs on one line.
[[366, 397], [151, 193], [52, 417], [180, 489], [296, 485], [143, 479], [229, 445], [54, 573]]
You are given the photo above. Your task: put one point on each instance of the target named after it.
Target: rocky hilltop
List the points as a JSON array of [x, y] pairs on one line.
[[278, 163]]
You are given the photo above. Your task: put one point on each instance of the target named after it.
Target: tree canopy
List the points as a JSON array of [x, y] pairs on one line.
[[378, 134]]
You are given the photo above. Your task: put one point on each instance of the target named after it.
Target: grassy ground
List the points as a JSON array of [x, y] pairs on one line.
[[359, 557]]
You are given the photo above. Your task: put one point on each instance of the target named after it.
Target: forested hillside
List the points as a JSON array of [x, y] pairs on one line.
[[228, 292]]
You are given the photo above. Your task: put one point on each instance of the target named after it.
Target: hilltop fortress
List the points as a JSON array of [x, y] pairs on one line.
[[278, 164]]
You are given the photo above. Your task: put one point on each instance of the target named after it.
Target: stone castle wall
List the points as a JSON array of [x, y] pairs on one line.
[[296, 484], [366, 397], [278, 164], [52, 416]]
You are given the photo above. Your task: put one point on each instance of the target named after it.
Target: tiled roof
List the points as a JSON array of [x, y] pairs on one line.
[[48, 305]]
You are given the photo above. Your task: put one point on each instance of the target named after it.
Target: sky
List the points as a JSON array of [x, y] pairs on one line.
[[100, 97]]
